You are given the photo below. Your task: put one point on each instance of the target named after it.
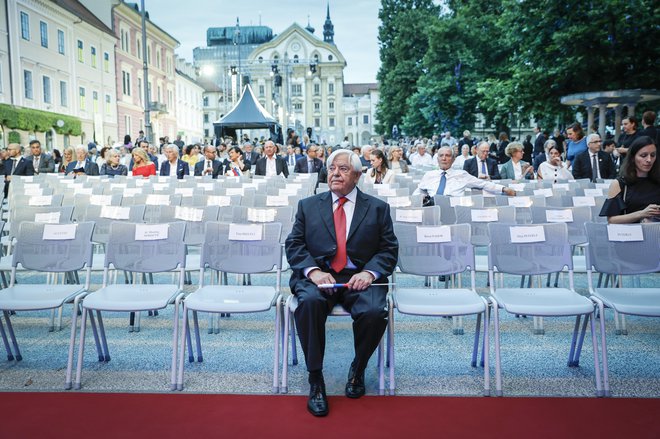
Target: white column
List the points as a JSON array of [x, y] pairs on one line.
[[590, 119], [602, 108], [617, 122]]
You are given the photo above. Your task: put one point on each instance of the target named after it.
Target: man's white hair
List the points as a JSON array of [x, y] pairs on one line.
[[353, 159]]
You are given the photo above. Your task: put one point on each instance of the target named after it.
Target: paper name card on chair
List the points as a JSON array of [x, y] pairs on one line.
[[409, 215], [261, 215], [545, 192], [522, 201], [185, 191], [40, 200], [591, 192], [277, 200], [28, 178], [115, 212], [559, 216], [235, 191], [517, 186], [460, 201], [399, 201], [385, 191], [433, 234], [132, 191], [158, 200], [245, 232], [80, 190], [188, 214], [32, 190], [218, 200], [584, 201], [59, 232], [47, 217], [563, 186], [100, 200], [625, 232], [527, 234], [205, 186], [151, 232], [483, 215]]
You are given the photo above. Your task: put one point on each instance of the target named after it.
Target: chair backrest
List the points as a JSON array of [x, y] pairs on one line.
[[573, 217], [417, 257], [104, 216], [51, 248], [54, 214], [222, 252], [429, 215], [282, 215], [479, 218], [623, 248], [146, 248], [529, 249]]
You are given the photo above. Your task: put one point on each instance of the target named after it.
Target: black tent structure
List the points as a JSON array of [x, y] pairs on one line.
[[248, 113]]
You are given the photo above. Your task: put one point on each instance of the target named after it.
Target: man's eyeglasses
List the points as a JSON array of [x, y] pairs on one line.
[[342, 169]]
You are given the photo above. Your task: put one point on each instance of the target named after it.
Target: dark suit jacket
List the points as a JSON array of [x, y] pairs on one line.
[[582, 165], [538, 144], [280, 166], [91, 168], [312, 242], [253, 158], [23, 167], [217, 168], [470, 166], [46, 163], [301, 166], [181, 169]]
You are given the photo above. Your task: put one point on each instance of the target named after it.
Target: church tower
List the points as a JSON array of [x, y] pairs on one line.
[[328, 29]]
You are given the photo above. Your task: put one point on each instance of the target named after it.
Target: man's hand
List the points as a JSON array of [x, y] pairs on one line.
[[485, 177], [360, 281], [510, 192], [319, 277]]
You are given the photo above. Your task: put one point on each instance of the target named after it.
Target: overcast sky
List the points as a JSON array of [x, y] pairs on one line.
[[356, 25]]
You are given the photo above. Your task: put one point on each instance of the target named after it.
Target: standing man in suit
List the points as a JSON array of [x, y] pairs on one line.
[[482, 166], [309, 164], [16, 164], [538, 142], [210, 165], [271, 163], [593, 163], [41, 162], [250, 157], [341, 236], [83, 164], [173, 166]]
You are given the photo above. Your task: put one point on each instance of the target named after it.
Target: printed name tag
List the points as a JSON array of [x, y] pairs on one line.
[[460, 201], [32, 190], [132, 191], [50, 217], [151, 232], [100, 200], [245, 232], [115, 212], [399, 201], [277, 200], [546, 192], [559, 216], [218, 200], [520, 201], [261, 215], [188, 213], [625, 232], [433, 234], [409, 215], [158, 200], [41, 200], [483, 215], [517, 186], [235, 191], [527, 234], [185, 191], [59, 232], [584, 201], [593, 192]]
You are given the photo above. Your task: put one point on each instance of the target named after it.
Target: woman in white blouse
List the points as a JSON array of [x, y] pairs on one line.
[[553, 168], [380, 173]]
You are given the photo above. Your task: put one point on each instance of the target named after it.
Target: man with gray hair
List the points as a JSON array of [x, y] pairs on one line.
[[341, 242], [173, 166], [593, 163], [421, 157]]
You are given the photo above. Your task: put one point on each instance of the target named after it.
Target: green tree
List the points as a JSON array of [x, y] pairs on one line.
[[403, 43]]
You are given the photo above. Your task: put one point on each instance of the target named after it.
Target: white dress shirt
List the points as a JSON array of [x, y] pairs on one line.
[[271, 169], [421, 160], [457, 182], [554, 173], [173, 167]]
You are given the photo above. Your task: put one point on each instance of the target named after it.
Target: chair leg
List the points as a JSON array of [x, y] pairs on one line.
[[72, 342], [576, 360], [81, 348], [599, 387], [276, 345], [185, 336], [603, 341], [498, 360], [211, 322], [294, 349], [381, 366], [104, 340], [186, 327], [10, 355], [175, 341], [390, 349], [10, 329], [571, 352], [475, 347], [284, 387], [198, 339], [485, 353]]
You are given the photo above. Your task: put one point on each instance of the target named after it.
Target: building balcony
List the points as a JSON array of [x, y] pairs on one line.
[[158, 107]]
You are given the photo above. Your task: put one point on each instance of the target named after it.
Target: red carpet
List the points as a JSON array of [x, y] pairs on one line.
[[118, 415]]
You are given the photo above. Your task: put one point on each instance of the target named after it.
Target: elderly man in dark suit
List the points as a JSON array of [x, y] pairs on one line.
[[345, 237], [210, 165], [82, 164], [41, 162], [482, 166], [309, 164], [271, 164], [173, 166], [583, 165], [15, 165], [249, 156]]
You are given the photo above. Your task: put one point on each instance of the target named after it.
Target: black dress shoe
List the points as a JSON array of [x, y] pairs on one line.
[[317, 404], [355, 384]]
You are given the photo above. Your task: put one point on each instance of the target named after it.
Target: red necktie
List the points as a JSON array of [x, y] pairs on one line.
[[339, 261]]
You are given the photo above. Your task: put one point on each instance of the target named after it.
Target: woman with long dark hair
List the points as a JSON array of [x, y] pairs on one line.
[[380, 172]]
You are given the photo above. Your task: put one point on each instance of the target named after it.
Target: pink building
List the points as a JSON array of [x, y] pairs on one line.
[[127, 25]]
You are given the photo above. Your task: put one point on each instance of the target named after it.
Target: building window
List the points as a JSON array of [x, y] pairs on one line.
[[81, 94], [64, 100], [95, 101], [262, 90], [206, 101], [81, 56], [317, 89], [27, 84], [126, 83], [331, 122], [331, 88], [206, 133], [148, 54], [159, 93], [317, 122], [139, 48], [25, 26], [106, 62], [296, 90], [170, 98], [108, 101], [158, 58], [60, 41], [350, 121], [295, 59], [43, 30], [140, 89], [297, 106], [331, 106], [46, 86], [317, 106], [365, 119], [206, 118], [127, 123], [93, 51]]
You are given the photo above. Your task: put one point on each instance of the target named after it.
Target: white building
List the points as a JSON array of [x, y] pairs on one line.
[[189, 112], [60, 59], [359, 104]]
